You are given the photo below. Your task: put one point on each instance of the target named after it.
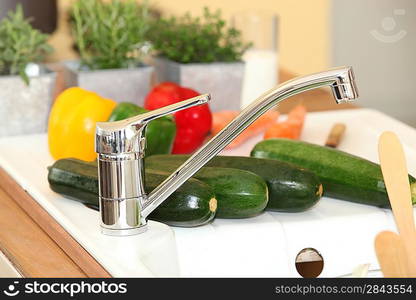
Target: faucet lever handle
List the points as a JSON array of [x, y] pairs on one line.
[[170, 109], [126, 136]]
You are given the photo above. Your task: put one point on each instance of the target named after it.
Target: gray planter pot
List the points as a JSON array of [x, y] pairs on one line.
[[24, 109], [222, 80], [121, 85]]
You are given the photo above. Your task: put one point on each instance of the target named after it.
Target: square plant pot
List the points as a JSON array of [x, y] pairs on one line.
[[222, 80], [25, 108], [121, 85]]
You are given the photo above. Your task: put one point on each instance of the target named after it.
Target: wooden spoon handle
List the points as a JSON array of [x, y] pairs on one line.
[[391, 254], [396, 179]]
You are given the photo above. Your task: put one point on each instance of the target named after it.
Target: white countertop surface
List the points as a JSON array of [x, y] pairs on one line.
[[263, 246]]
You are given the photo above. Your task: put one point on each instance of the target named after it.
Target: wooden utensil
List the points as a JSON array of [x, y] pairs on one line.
[[335, 135], [396, 179], [391, 254]]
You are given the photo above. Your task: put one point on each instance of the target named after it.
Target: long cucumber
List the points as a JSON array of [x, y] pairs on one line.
[[344, 176], [291, 189], [192, 204], [239, 193]]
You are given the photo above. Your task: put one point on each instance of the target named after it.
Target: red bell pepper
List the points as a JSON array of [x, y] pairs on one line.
[[193, 124], [162, 95]]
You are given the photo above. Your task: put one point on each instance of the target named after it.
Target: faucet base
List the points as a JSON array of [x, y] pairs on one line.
[[124, 232]]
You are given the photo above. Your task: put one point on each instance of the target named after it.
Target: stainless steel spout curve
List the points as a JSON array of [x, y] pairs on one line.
[[121, 167]]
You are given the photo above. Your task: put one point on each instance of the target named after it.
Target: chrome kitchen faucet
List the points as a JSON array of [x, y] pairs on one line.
[[124, 204]]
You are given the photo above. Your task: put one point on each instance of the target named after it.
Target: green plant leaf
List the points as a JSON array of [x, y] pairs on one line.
[[109, 34], [190, 39], [20, 44], [24, 76]]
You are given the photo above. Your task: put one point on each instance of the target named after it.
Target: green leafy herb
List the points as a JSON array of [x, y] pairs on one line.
[[20, 44], [109, 34], [187, 39]]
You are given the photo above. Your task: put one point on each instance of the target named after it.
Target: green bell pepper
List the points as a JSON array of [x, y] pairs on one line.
[[160, 133]]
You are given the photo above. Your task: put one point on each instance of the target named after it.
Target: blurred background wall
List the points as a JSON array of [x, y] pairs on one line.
[[377, 37]]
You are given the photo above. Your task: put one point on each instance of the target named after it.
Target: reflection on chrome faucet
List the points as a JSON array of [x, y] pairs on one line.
[[120, 145]]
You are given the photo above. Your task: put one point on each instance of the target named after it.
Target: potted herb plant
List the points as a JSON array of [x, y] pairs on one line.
[[109, 37], [25, 84], [202, 53]]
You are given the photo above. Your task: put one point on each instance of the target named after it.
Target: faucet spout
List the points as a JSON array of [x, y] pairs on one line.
[[341, 81]]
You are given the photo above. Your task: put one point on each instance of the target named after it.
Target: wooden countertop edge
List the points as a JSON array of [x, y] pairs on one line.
[[29, 250], [14, 262], [56, 232]]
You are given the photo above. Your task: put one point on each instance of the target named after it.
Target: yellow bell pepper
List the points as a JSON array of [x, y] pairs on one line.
[[71, 129]]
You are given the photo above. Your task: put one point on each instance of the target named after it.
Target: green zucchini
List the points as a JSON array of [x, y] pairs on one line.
[[344, 176], [291, 189], [192, 204], [239, 193]]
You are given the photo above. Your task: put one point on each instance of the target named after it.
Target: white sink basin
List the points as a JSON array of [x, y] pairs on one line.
[[266, 245]]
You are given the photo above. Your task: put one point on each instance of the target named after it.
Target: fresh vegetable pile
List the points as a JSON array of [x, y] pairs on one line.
[[290, 188], [240, 186], [72, 121], [192, 204], [283, 174], [228, 187]]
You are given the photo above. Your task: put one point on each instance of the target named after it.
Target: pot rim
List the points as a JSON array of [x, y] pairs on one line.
[[74, 66], [45, 71], [225, 63]]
